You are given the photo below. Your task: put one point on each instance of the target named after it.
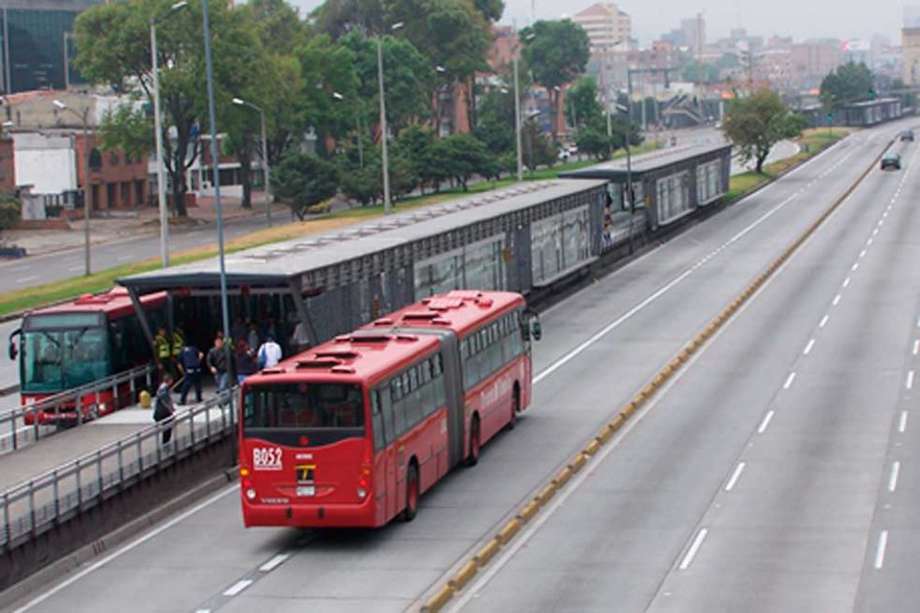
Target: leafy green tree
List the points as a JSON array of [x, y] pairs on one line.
[[339, 17], [538, 149], [408, 77], [496, 120], [461, 156], [557, 52], [10, 211], [414, 145], [129, 128], [848, 83], [582, 105], [592, 141], [278, 25], [757, 123], [302, 181], [328, 68], [113, 49]]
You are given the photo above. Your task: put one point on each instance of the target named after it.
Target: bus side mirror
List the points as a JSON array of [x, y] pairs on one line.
[[536, 330], [13, 350]]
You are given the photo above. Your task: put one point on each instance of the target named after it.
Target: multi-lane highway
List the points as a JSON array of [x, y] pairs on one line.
[[762, 479]]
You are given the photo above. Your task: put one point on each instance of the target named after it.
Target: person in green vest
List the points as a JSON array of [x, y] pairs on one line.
[[163, 352]]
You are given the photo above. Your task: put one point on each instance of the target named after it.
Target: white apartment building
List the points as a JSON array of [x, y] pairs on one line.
[[608, 27]]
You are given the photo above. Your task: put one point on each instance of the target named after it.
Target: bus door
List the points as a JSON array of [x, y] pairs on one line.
[[389, 466], [453, 383]]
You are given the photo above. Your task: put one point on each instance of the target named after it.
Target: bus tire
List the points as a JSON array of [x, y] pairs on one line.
[[475, 442], [412, 493], [515, 406]]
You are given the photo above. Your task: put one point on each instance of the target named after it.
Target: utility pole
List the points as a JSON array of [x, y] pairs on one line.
[[387, 204], [517, 122]]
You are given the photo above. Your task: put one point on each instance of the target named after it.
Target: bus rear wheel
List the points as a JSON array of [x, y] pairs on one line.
[[515, 408], [475, 443], [411, 493]]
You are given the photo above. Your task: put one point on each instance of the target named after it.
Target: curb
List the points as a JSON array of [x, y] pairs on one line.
[[468, 570], [40, 580]]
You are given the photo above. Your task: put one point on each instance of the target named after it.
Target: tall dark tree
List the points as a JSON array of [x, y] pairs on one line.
[[848, 83], [557, 52], [582, 105]]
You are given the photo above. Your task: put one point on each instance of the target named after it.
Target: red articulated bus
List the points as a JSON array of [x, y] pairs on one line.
[[352, 432], [79, 342]]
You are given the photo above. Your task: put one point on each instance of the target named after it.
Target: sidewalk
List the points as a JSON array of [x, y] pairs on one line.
[[118, 225]]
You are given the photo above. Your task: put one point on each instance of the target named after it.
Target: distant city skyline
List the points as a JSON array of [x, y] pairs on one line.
[[814, 19]]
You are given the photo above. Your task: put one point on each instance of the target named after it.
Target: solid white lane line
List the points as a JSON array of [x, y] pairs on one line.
[[274, 563], [824, 321], [238, 587], [902, 424], [880, 550], [694, 548], [808, 347], [846, 282], [130, 546], [893, 479], [765, 423], [735, 476], [789, 381], [837, 299], [203, 611], [910, 380]]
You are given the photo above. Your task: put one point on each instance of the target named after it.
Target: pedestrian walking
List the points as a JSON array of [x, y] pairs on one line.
[[245, 361], [164, 409], [217, 363], [269, 353], [190, 362]]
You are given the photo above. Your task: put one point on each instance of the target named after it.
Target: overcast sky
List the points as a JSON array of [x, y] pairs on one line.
[[799, 18]]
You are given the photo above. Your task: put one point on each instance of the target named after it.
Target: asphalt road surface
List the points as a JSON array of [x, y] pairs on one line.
[[798, 529]]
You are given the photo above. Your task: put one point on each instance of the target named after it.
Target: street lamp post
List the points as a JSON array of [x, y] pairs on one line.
[[517, 111], [87, 189], [340, 98], [387, 205], [265, 168], [158, 134]]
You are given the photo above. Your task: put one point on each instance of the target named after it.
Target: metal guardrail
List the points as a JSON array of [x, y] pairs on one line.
[[34, 506], [14, 433]]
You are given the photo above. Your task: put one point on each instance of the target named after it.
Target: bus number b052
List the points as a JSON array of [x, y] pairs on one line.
[[266, 458]]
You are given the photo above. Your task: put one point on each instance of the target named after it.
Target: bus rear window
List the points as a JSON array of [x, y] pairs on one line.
[[318, 410]]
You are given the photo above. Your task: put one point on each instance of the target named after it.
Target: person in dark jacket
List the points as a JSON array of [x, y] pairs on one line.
[[190, 362], [217, 363], [245, 361], [163, 408]]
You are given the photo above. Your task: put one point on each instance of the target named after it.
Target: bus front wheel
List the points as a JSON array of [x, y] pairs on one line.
[[475, 443]]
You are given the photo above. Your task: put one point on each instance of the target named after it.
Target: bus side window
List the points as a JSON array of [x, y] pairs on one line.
[[377, 421], [389, 423]]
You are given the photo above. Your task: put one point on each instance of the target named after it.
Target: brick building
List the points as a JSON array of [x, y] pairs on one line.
[[7, 165], [118, 180]]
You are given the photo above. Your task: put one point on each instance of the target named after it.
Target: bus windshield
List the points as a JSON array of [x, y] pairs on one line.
[[55, 360], [303, 414]]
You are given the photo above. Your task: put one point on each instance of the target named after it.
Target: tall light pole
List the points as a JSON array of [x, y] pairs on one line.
[[265, 168], [87, 189], [340, 98], [158, 134], [67, 36], [387, 205], [517, 110]]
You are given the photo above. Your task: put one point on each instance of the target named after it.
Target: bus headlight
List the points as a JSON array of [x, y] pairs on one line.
[[362, 493], [251, 494]]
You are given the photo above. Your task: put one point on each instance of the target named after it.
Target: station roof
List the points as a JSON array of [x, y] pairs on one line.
[[654, 160], [276, 264]]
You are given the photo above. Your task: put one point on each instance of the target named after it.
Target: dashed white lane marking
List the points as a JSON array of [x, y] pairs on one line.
[[824, 321], [274, 563], [789, 381], [694, 548], [893, 479], [875, 232], [846, 282], [735, 476], [869, 242], [880, 550], [27, 279], [902, 424], [862, 253], [916, 346], [808, 347], [855, 267], [909, 383], [203, 611], [765, 423], [238, 587], [837, 299]]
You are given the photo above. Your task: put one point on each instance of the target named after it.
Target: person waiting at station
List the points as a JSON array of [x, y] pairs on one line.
[[163, 408], [253, 339], [190, 362], [178, 342], [163, 351], [269, 353], [300, 339], [245, 361], [217, 363]]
